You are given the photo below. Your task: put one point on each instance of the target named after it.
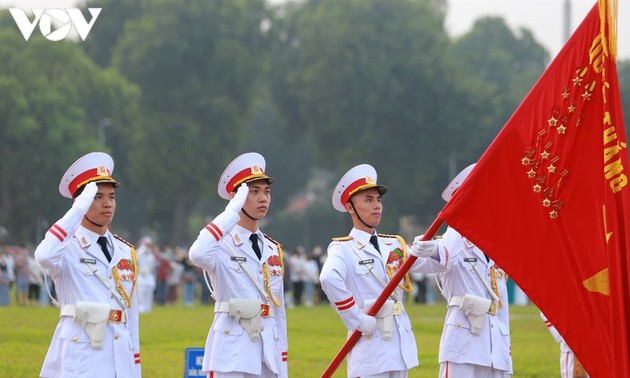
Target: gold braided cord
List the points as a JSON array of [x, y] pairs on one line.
[[608, 14], [120, 288], [275, 301], [495, 287], [134, 260], [407, 285], [281, 258]]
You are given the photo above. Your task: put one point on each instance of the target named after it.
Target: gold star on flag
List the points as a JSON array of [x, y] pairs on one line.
[[552, 122], [553, 214], [571, 108], [536, 188], [562, 129], [525, 161], [586, 96], [544, 155], [551, 168], [546, 202], [577, 81], [531, 173]]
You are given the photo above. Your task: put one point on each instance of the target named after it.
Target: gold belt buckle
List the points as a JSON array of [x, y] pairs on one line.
[[264, 310], [115, 316], [398, 308], [493, 309]]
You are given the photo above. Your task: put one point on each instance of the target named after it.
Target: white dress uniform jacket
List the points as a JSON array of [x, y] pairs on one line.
[[228, 346], [70, 259], [348, 282], [491, 347]]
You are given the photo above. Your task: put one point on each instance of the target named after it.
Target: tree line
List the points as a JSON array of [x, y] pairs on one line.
[[174, 90]]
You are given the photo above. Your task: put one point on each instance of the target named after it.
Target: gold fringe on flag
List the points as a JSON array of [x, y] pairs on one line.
[[608, 17]]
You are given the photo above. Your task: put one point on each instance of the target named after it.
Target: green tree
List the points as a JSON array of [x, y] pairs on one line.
[[505, 63], [623, 72], [372, 81], [53, 97], [109, 27], [198, 66]]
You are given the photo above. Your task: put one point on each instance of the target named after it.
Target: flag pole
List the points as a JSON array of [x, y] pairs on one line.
[[391, 286]]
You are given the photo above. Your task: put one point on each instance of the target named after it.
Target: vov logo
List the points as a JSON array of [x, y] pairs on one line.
[[55, 24]]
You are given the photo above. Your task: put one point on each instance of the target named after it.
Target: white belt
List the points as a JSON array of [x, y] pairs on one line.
[[457, 300], [115, 316], [266, 311], [399, 309]]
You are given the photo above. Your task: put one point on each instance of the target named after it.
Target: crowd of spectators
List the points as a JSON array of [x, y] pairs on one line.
[[166, 276]]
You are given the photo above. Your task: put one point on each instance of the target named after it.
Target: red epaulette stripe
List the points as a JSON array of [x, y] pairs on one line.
[[214, 230], [136, 357], [211, 374], [285, 356], [548, 324], [58, 232], [124, 241], [345, 304]]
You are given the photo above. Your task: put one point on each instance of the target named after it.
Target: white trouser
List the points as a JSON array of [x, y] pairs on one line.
[[389, 374], [453, 370], [266, 373]]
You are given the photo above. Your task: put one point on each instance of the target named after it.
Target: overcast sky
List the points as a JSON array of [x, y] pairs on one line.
[[543, 17]]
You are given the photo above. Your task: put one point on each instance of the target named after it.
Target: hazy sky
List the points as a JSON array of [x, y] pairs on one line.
[[543, 17]]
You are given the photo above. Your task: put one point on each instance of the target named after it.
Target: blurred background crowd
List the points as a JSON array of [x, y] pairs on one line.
[[167, 277]]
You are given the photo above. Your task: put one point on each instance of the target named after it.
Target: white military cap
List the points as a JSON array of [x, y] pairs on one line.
[[247, 167], [455, 183], [93, 167], [358, 178]]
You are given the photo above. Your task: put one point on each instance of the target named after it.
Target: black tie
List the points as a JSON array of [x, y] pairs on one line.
[[102, 241], [254, 239], [374, 241]]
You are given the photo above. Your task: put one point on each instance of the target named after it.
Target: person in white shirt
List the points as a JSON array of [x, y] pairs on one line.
[[248, 335], [94, 272], [358, 268]]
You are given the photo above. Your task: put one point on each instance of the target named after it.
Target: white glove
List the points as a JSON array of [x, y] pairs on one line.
[[368, 325], [238, 201], [85, 199], [423, 248], [228, 219], [72, 219]]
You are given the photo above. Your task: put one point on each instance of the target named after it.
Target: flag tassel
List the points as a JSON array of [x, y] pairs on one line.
[[608, 19]]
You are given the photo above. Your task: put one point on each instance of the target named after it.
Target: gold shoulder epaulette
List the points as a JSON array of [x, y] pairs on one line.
[[124, 241], [342, 238], [271, 240], [388, 236]]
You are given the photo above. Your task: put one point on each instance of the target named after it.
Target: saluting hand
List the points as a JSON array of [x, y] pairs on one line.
[[85, 199], [238, 201]]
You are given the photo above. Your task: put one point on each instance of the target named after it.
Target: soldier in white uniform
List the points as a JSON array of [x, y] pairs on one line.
[[476, 336], [147, 265], [248, 336], [570, 367], [94, 273], [357, 270]]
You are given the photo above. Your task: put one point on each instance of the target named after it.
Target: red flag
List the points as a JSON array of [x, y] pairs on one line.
[[549, 200]]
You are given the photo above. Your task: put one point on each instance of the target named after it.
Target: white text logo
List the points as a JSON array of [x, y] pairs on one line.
[[55, 24]]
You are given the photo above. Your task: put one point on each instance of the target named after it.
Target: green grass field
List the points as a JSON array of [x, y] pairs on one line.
[[315, 336]]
